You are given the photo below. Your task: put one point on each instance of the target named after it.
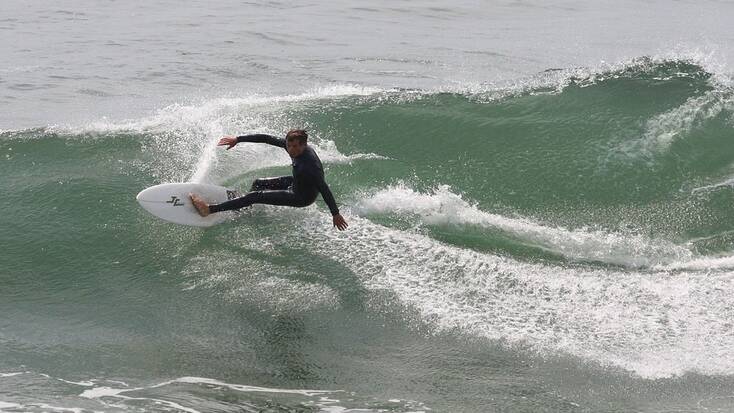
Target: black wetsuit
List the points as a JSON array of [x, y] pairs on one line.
[[299, 190]]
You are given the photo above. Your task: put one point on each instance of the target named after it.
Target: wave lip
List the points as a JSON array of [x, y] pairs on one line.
[[679, 62], [443, 207], [180, 116]]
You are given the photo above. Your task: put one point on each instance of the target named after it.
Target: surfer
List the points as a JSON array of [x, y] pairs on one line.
[[299, 190]]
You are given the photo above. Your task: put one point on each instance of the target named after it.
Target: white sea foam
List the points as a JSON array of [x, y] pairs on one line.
[[190, 394], [722, 263], [14, 407], [655, 324], [668, 320], [662, 130], [78, 383], [208, 157], [244, 388], [443, 207], [119, 393], [728, 183], [99, 392]]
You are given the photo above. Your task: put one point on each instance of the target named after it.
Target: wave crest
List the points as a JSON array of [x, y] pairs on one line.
[[443, 207]]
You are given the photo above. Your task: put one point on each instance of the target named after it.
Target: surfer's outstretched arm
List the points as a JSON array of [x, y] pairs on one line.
[[231, 141], [323, 188]]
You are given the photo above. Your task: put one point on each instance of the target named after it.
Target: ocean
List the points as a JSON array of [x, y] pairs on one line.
[[539, 196]]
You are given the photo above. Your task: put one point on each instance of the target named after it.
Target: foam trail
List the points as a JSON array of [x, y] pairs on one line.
[[701, 264], [196, 394], [729, 183], [78, 383], [446, 208], [244, 388], [655, 324], [42, 406], [110, 392], [662, 130]]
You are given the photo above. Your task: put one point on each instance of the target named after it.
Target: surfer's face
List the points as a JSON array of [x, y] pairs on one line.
[[294, 147]]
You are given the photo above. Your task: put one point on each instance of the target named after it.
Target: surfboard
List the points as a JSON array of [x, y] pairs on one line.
[[171, 202]]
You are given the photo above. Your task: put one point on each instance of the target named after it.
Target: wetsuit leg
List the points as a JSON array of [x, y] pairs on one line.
[[280, 197], [279, 183]]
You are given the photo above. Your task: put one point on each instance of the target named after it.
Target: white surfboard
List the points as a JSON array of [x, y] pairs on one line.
[[171, 202]]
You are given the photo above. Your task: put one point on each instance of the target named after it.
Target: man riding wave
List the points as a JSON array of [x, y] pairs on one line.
[[298, 190]]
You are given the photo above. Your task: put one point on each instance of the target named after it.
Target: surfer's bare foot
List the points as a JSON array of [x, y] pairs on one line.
[[201, 207]]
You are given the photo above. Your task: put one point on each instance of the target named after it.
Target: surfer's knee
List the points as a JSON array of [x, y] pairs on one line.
[[304, 202]]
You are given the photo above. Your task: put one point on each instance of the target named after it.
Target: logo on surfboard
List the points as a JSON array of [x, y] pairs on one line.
[[175, 201]]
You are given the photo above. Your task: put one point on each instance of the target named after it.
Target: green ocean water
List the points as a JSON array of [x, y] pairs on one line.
[[563, 246]]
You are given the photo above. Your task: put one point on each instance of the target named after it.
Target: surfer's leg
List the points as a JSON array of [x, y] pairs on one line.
[[279, 183], [283, 197]]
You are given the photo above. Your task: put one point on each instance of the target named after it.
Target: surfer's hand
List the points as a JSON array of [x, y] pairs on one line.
[[229, 141], [340, 223]]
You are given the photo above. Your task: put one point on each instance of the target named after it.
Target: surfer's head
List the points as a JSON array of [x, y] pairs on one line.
[[295, 142]]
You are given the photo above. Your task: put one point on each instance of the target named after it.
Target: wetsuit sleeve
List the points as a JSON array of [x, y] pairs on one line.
[[262, 138], [327, 195]]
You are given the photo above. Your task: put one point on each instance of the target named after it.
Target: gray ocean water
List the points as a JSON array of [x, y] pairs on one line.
[[539, 196]]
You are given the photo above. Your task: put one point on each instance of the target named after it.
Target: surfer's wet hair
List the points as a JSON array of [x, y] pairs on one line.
[[299, 135]]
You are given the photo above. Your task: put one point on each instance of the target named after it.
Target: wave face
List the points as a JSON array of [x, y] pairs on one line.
[[577, 223]]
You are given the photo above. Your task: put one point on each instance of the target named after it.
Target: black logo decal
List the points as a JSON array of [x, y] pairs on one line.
[[175, 201], [232, 194]]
